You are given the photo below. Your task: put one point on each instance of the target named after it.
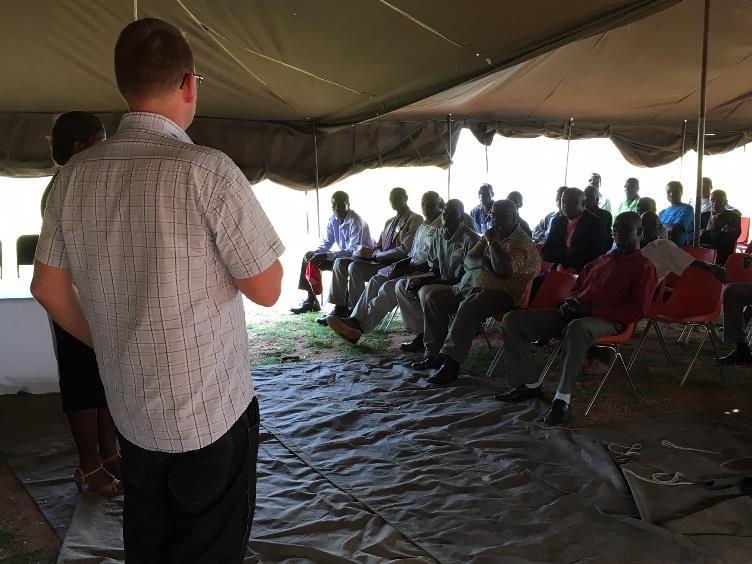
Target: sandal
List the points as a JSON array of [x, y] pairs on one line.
[[112, 465], [110, 489]]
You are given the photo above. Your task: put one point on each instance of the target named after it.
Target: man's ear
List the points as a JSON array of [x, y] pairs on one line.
[[188, 92], [77, 147]]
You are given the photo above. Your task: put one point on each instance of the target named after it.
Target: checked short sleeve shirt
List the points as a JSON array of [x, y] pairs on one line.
[[154, 230]]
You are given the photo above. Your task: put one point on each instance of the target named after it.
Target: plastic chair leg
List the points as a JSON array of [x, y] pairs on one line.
[[694, 358], [664, 346], [390, 319], [550, 362], [603, 381], [495, 362], [638, 348], [713, 338], [485, 336]]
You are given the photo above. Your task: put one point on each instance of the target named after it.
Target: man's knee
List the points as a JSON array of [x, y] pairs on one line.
[[340, 266], [512, 320], [309, 254], [738, 294]]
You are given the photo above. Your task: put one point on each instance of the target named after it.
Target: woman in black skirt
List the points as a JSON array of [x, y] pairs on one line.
[[80, 386]]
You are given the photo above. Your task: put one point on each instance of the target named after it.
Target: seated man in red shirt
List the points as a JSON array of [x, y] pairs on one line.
[[611, 292]]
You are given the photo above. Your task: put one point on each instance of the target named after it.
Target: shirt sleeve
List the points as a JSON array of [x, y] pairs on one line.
[[51, 246], [245, 239], [329, 238], [633, 309]]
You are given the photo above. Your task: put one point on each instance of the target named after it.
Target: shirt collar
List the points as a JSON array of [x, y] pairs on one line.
[[152, 123]]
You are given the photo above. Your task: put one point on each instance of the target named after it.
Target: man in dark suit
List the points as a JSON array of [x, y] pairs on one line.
[[576, 236], [592, 195], [721, 227]]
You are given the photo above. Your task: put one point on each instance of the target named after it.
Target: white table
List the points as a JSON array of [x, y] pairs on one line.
[[27, 356]]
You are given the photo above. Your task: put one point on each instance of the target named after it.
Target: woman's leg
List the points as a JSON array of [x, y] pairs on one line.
[[83, 424], [108, 448]]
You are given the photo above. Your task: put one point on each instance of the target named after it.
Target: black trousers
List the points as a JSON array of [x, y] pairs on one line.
[[194, 506], [302, 280]]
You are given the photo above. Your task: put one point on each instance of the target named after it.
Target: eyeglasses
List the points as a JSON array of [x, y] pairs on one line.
[[199, 79]]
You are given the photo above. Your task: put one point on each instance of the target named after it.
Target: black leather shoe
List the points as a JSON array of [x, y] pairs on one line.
[[416, 345], [520, 393], [736, 358], [338, 311], [306, 306], [428, 363], [448, 373], [558, 412]]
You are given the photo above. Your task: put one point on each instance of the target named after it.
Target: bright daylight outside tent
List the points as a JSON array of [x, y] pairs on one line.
[[378, 78]]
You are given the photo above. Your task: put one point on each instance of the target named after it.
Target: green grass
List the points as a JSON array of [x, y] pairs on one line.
[[287, 334], [13, 551]]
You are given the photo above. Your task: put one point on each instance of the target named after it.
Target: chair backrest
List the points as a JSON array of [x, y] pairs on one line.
[[744, 235], [26, 246], [736, 272], [555, 288], [697, 294], [700, 253]]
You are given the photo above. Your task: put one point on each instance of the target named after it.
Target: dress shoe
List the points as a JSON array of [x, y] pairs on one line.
[[428, 363], [520, 393], [338, 311], [736, 358], [558, 412], [448, 373], [416, 345], [306, 306], [348, 329]]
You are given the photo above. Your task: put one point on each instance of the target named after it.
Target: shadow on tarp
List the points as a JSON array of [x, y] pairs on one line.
[[362, 461]]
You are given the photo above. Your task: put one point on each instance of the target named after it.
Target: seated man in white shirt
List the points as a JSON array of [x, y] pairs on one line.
[[379, 297], [345, 230], [447, 245]]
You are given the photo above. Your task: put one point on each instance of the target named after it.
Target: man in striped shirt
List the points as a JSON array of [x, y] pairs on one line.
[[162, 238]]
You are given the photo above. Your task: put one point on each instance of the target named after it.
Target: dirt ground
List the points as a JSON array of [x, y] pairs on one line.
[[274, 337]]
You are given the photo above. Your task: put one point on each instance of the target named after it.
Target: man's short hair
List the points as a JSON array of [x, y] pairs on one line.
[[486, 186], [151, 58], [340, 195]]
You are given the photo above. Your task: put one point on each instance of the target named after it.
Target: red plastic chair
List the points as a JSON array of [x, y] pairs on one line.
[[736, 273], [613, 343], [744, 235], [556, 287], [700, 253], [695, 302]]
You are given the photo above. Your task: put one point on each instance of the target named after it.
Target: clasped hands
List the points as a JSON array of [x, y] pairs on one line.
[[574, 309]]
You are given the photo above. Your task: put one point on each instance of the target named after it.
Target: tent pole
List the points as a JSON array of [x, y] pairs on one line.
[[570, 123], [701, 123], [316, 173], [449, 154], [486, 146], [681, 156]]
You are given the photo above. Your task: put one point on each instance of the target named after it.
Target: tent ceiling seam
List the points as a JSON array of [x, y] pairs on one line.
[[422, 24], [239, 62], [277, 61], [718, 75], [566, 75]]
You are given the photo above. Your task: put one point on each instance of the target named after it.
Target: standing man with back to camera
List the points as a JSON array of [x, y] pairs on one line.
[[162, 238]]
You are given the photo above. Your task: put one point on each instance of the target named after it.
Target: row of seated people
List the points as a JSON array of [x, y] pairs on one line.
[[350, 234], [464, 279]]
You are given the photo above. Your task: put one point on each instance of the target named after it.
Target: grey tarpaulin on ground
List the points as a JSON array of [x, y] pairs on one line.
[[363, 461], [624, 69]]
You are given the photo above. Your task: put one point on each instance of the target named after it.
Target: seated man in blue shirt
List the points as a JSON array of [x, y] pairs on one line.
[[481, 213], [678, 218], [347, 231]]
